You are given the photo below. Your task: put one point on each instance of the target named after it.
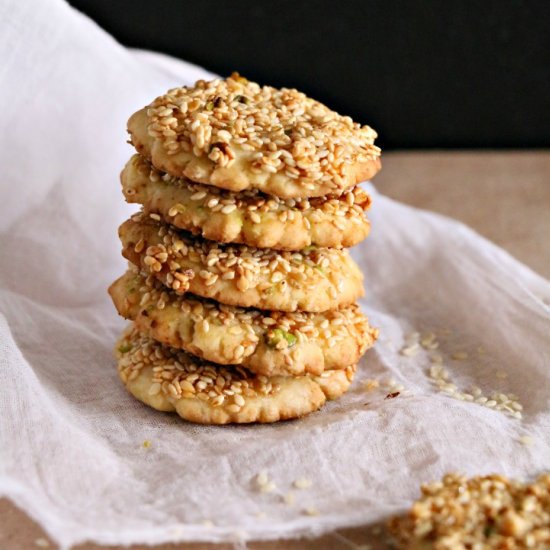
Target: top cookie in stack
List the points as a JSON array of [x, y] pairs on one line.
[[249, 199], [235, 135]]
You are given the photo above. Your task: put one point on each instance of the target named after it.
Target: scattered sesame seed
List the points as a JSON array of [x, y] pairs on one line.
[[410, 351], [429, 341], [370, 384], [262, 478], [302, 483], [269, 487], [502, 402], [459, 356], [526, 440], [289, 498], [42, 543], [311, 511], [207, 523], [146, 444]]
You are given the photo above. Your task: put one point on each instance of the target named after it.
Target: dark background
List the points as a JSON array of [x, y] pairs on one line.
[[422, 73]]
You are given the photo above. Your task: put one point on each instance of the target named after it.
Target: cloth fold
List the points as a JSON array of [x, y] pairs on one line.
[[73, 453]]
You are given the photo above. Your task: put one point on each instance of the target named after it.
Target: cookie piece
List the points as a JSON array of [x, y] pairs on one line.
[[488, 512], [268, 343], [249, 217], [315, 279], [235, 135], [170, 380]]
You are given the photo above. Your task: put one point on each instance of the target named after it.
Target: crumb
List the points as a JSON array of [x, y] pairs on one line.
[[370, 384]]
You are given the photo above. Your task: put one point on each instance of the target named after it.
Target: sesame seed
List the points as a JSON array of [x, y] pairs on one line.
[[269, 487], [262, 478], [302, 483], [227, 209], [213, 119], [410, 351], [207, 523], [370, 385], [289, 498], [239, 400]]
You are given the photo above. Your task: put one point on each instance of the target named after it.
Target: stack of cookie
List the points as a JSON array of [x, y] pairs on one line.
[[240, 290]]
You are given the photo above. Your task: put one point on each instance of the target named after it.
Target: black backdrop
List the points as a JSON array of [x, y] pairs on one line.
[[423, 73]]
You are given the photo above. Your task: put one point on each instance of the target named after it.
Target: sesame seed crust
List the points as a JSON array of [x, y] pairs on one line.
[[314, 279], [171, 380], [236, 135], [268, 343], [249, 217], [489, 512]]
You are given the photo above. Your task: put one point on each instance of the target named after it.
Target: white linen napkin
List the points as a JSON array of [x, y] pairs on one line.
[[72, 449]]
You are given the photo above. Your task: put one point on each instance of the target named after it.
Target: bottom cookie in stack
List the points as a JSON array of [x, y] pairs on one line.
[[170, 379]]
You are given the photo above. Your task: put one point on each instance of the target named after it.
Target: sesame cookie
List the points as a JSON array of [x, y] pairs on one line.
[[170, 380], [268, 343], [314, 279], [249, 217], [237, 135]]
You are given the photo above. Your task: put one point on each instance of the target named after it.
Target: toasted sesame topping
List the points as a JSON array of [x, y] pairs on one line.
[[179, 258], [351, 204], [489, 512], [326, 221], [279, 131], [279, 330], [178, 375]]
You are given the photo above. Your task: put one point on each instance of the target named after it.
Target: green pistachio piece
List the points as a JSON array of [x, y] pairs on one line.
[[278, 335], [124, 348]]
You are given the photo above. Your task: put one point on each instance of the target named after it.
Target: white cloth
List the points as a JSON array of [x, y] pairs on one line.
[[72, 452]]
